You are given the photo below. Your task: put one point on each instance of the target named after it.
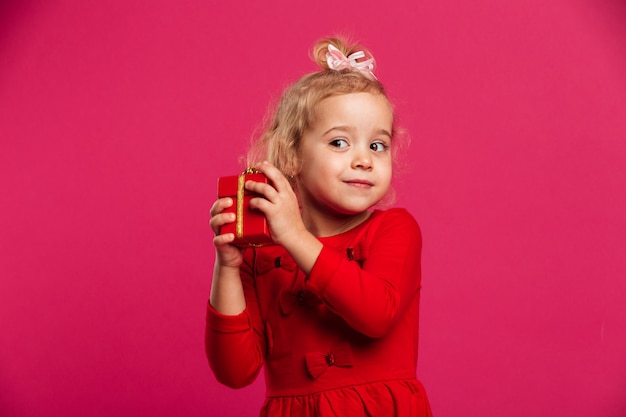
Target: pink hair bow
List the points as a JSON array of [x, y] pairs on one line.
[[337, 61]]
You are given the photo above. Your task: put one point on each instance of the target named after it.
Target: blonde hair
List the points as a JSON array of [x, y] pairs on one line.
[[280, 141]]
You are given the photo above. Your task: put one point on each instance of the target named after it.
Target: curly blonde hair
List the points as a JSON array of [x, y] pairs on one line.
[[279, 143]]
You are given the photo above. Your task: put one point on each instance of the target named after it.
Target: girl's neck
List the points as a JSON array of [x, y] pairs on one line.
[[333, 224]]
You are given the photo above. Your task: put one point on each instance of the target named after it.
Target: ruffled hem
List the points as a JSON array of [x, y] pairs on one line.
[[396, 398]]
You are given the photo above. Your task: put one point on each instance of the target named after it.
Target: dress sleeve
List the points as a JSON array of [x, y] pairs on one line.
[[235, 345], [372, 297]]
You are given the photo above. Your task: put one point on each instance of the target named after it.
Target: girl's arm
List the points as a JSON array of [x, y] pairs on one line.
[[226, 290], [235, 344], [234, 337], [372, 297], [280, 207]]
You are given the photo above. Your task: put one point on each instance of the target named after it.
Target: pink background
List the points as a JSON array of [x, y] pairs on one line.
[[117, 117]]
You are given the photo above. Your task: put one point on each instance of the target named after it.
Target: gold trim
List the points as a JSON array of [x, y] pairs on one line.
[[240, 193]]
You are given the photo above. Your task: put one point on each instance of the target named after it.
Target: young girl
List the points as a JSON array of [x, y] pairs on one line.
[[330, 310]]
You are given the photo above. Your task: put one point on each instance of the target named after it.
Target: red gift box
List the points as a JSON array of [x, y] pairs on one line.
[[250, 226]]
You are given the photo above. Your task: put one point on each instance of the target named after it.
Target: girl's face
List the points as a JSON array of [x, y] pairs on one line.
[[346, 156]]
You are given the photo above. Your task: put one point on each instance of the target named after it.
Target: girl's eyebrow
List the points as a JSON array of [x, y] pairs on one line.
[[341, 128], [347, 128], [384, 132]]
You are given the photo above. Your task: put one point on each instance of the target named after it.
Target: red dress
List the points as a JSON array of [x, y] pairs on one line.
[[341, 341]]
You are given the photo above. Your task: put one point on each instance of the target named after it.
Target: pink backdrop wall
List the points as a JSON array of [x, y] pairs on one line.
[[117, 117]]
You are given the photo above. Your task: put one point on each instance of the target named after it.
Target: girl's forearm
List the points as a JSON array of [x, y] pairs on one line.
[[227, 291], [304, 248]]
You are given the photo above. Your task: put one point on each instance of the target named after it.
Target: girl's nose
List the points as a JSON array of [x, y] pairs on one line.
[[362, 159]]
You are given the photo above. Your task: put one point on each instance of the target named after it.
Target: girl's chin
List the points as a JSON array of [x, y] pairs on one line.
[[352, 211]]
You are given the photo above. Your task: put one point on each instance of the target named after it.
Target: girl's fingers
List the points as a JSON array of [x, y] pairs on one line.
[[227, 254], [221, 204], [221, 240], [221, 219], [276, 177], [278, 183], [218, 217], [266, 190]]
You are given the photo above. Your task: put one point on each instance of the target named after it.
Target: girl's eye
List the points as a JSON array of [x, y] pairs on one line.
[[339, 143], [378, 147]]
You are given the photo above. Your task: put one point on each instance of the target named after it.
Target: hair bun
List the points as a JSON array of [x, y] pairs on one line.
[[320, 49]]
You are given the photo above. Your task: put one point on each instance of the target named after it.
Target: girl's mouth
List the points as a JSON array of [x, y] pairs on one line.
[[359, 183]]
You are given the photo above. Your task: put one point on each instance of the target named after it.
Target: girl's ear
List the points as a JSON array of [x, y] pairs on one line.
[[294, 181]]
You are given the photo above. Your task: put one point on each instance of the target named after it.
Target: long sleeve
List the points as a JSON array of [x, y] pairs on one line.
[[371, 297], [235, 345]]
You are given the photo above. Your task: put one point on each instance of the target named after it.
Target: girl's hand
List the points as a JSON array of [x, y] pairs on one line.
[[279, 205], [227, 255]]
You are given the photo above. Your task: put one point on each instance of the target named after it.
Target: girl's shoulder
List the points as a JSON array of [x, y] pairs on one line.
[[394, 211], [392, 217], [382, 225], [389, 230]]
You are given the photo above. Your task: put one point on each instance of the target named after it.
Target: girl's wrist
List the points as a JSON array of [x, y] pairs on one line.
[[294, 237], [226, 270], [304, 248]]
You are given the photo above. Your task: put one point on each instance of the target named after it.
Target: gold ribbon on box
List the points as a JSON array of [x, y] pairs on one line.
[[241, 181]]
